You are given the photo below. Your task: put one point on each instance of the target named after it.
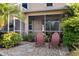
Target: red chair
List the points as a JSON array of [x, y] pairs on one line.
[[39, 39], [54, 40]]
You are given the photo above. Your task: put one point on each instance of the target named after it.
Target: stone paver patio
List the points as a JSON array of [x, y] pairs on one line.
[[29, 49]]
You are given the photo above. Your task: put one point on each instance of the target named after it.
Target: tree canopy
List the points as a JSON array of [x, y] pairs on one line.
[[9, 9], [72, 9]]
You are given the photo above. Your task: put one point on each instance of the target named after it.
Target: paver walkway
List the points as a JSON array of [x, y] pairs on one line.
[[29, 49]]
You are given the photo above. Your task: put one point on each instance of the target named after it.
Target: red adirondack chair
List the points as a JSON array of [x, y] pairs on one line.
[[39, 39], [54, 40]]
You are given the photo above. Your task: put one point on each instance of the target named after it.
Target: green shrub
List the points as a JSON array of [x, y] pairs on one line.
[[10, 39], [46, 37], [25, 37], [28, 37], [70, 24], [70, 39], [72, 9], [31, 37], [70, 31]]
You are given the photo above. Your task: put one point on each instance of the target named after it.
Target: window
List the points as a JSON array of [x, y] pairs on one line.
[[49, 4], [24, 5], [17, 24], [31, 19], [52, 25], [30, 24], [11, 26]]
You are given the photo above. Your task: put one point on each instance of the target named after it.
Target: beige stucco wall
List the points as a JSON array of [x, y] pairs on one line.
[[42, 6]]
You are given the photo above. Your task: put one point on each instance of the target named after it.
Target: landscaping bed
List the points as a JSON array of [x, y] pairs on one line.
[[29, 49]]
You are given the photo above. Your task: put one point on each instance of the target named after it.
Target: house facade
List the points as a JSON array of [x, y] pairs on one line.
[[43, 16], [38, 17]]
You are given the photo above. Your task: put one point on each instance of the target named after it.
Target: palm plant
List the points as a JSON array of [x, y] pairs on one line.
[[6, 10]]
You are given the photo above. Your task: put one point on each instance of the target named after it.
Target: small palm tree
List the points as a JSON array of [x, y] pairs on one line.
[[6, 10]]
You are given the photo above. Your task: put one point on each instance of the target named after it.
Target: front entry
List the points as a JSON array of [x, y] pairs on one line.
[[35, 23]]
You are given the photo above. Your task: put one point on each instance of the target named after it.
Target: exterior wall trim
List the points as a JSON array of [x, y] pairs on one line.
[[45, 13]]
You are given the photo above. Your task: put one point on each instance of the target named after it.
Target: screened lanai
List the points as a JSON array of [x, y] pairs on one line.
[[13, 24], [45, 23]]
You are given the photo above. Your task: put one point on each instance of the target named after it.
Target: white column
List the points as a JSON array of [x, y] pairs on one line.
[[20, 26], [26, 24], [14, 24], [44, 23], [59, 27], [8, 23]]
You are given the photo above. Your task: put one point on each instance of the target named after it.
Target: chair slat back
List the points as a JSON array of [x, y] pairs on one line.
[[55, 38], [40, 38]]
